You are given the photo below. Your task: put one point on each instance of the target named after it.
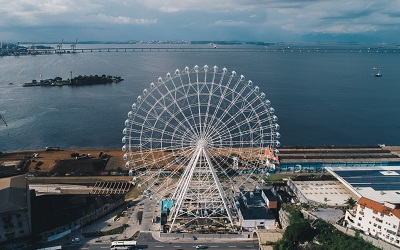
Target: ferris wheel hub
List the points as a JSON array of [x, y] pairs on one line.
[[202, 143]]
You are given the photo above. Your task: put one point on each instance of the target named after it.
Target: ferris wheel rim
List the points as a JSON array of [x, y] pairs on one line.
[[170, 78], [184, 137]]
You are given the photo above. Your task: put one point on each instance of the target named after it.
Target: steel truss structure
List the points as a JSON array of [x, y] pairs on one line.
[[194, 137]]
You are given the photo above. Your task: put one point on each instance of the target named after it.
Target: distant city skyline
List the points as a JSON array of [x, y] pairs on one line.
[[273, 21]]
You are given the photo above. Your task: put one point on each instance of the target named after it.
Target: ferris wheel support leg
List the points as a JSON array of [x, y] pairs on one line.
[[183, 178], [220, 190], [184, 189]]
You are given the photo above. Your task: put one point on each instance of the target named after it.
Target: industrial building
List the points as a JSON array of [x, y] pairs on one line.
[[15, 208]]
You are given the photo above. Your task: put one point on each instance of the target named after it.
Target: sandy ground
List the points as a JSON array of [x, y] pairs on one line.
[[50, 158]]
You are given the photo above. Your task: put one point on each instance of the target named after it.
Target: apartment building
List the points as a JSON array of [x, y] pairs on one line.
[[381, 220]]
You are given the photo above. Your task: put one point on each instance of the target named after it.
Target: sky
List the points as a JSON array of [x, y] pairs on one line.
[[322, 21]]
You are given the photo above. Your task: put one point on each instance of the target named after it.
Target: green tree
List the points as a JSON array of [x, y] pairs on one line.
[[299, 232], [350, 202]]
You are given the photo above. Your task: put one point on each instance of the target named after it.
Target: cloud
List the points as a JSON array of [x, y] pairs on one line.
[[50, 12], [230, 23], [262, 19], [171, 6], [123, 19]]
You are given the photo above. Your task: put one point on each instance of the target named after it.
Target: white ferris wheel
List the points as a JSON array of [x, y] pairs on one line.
[[195, 139]]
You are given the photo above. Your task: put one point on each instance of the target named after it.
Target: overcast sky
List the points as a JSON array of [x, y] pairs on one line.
[[242, 20]]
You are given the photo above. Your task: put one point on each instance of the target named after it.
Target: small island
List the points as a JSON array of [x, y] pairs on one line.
[[76, 81]]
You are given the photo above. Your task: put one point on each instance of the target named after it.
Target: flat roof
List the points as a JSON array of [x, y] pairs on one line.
[[13, 193], [330, 192], [256, 213], [380, 183], [256, 208], [254, 199], [268, 193]]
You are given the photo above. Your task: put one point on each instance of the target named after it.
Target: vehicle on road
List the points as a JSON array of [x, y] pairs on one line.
[[76, 240], [201, 247], [123, 245], [51, 248]]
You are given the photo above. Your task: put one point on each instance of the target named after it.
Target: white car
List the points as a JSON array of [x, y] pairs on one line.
[[76, 240], [201, 247]]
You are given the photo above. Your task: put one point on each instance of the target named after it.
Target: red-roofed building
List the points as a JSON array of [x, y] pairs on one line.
[[381, 220]]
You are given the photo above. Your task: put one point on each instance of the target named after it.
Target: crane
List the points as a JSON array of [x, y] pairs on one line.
[[59, 47], [73, 46], [4, 120]]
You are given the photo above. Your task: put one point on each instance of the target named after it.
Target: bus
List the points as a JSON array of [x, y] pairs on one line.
[[51, 248], [123, 245]]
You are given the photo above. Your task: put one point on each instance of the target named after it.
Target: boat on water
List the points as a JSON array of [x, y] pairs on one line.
[[378, 74]]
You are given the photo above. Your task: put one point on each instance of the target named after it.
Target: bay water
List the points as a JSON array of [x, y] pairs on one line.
[[321, 98]]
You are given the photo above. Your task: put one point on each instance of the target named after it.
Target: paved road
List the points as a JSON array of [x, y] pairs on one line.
[[146, 240], [168, 246]]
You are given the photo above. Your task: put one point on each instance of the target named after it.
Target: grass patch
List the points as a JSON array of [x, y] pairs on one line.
[[280, 177], [133, 193], [120, 213], [117, 230], [134, 236]]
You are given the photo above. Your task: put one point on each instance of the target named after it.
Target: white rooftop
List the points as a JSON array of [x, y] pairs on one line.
[[332, 192], [378, 183]]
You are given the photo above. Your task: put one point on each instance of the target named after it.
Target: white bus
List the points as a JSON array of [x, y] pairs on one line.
[[51, 248], [123, 245]]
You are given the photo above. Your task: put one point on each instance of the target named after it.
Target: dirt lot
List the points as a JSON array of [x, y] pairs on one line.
[[47, 160]]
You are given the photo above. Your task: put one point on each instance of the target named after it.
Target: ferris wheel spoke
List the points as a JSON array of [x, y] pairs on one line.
[[235, 99], [237, 121], [208, 105], [173, 101], [147, 130], [190, 87], [168, 123], [248, 106], [224, 91]]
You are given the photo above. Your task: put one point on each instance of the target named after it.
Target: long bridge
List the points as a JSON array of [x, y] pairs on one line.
[[189, 48]]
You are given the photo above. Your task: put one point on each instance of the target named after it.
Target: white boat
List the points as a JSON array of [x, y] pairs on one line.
[[378, 74]]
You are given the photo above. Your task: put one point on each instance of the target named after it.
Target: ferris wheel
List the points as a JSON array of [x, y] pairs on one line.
[[193, 138]]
